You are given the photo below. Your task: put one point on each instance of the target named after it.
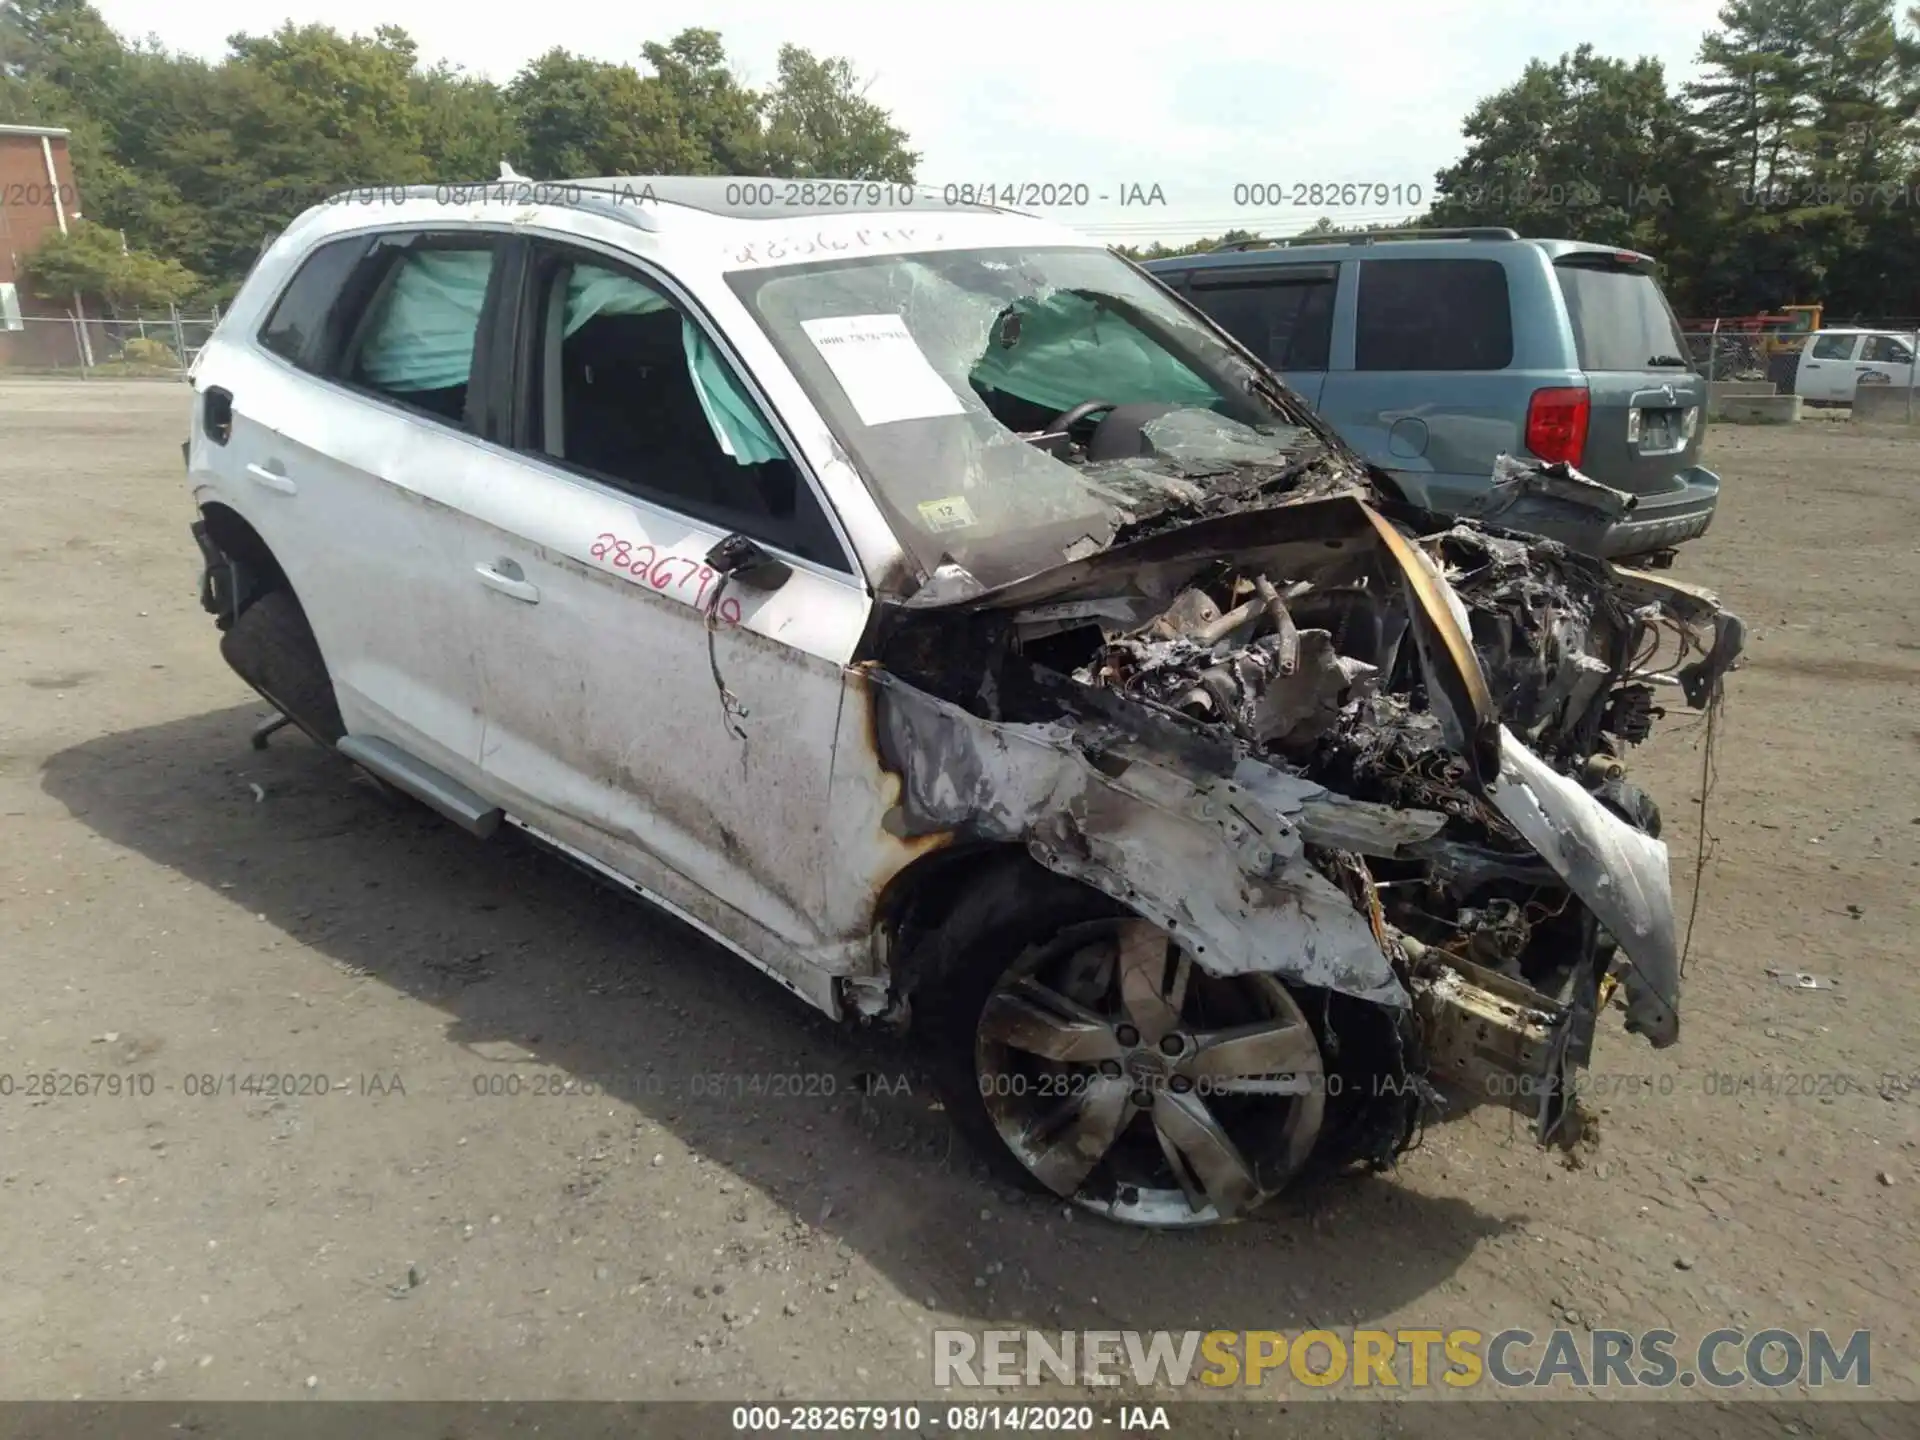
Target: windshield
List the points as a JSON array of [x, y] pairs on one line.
[[946, 374], [1621, 321]]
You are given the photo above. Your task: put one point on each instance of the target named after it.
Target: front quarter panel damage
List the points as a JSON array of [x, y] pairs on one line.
[[1222, 867], [1619, 871], [1310, 742]]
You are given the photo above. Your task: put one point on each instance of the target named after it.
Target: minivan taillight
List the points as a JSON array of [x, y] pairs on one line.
[[1557, 424]]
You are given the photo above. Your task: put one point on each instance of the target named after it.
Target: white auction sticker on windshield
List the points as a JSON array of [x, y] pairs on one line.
[[883, 371], [952, 513]]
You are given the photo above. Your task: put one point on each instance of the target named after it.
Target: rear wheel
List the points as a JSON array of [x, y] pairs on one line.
[[1084, 1047], [271, 647]]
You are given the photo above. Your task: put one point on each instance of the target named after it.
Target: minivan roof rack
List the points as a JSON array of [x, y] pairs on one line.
[[1367, 237]]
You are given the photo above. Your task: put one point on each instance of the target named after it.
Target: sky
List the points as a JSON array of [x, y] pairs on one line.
[[1093, 100]]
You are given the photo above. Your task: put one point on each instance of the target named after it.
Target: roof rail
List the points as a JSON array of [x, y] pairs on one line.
[[1368, 237]]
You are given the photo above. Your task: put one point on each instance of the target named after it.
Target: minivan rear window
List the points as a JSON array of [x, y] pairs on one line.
[[1620, 319], [1433, 315]]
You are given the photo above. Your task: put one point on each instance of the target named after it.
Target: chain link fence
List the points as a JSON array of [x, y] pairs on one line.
[[1723, 354], [160, 344], [1728, 353]]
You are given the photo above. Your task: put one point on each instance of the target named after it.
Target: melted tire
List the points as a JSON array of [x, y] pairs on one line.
[[272, 648], [1004, 914]]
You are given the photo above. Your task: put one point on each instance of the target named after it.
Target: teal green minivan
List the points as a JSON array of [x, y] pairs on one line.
[[1434, 352]]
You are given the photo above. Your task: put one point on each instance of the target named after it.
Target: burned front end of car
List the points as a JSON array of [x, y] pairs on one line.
[[1311, 735]]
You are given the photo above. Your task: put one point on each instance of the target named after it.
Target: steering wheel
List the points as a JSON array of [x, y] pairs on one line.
[[1067, 419]]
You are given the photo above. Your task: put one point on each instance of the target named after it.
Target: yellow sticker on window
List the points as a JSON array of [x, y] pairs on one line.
[[952, 513]]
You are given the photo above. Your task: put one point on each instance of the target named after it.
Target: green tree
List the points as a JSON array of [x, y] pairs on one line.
[[1587, 148], [93, 261], [718, 118], [820, 122], [579, 117], [1806, 112], [1859, 90], [66, 45], [466, 125], [1753, 95], [349, 97], [203, 162]]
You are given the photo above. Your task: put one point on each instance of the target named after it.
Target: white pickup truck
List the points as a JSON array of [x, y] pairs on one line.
[[1833, 362]]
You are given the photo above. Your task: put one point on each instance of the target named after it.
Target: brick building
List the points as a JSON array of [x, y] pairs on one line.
[[37, 195]]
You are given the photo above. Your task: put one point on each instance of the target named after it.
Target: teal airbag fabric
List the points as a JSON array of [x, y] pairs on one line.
[[1071, 350]]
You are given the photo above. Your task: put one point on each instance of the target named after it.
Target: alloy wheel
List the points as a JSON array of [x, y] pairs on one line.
[[1132, 1082]]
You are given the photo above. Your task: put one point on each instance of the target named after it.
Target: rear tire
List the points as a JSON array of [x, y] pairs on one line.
[[272, 648]]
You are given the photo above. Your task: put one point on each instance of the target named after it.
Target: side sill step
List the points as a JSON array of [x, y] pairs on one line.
[[429, 786]]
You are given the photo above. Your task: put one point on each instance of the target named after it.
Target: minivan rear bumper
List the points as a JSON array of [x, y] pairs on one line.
[[1656, 522], [1660, 522]]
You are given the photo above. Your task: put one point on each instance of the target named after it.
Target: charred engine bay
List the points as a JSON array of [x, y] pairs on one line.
[[1293, 635]]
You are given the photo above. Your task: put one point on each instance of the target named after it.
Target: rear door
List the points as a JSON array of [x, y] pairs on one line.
[[1826, 369], [1283, 313], [354, 440], [1423, 379], [1647, 401]]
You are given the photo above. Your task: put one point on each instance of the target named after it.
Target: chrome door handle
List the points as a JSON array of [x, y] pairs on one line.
[[507, 584], [272, 479]]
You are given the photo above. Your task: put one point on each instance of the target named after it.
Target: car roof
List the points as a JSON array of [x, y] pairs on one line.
[[1373, 245], [748, 216], [746, 197]]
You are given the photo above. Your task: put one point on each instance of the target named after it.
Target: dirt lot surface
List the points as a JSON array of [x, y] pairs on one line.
[[175, 905]]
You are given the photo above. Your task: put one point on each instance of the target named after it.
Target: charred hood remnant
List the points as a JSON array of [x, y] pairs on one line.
[[1373, 760]]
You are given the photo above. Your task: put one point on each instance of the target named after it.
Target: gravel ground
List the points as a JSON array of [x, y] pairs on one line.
[[441, 1224]]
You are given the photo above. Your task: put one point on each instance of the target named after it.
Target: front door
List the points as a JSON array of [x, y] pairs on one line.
[[1826, 373], [1283, 313], [664, 720]]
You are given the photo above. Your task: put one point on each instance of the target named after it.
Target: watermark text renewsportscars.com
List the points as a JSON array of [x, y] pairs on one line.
[[1415, 1359]]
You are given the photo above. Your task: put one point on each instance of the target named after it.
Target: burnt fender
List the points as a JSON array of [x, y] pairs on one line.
[[1217, 860], [1619, 871]]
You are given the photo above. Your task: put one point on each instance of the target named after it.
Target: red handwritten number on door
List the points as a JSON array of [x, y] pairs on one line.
[[663, 572]]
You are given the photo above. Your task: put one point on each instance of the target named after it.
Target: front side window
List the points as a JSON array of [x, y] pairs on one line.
[[1287, 322], [1887, 350], [1433, 315], [631, 390], [1011, 408]]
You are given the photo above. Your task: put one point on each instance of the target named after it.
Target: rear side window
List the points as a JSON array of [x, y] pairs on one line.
[[414, 342], [1834, 347], [1620, 319], [1286, 320], [1433, 315], [295, 329]]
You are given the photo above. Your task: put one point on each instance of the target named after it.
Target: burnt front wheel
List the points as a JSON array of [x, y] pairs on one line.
[[1086, 1048]]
